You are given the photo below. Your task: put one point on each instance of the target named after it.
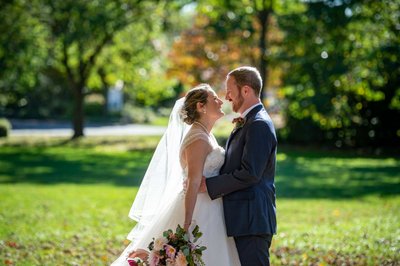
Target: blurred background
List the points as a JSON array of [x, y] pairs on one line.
[[86, 88]]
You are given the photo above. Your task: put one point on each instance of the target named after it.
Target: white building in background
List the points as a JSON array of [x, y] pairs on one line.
[[115, 97]]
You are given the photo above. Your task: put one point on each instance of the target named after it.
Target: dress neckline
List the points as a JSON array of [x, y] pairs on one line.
[[202, 126]]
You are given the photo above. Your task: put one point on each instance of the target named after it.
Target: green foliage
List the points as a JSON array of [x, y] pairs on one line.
[[137, 57], [180, 242], [50, 98], [22, 51], [197, 234], [94, 109], [5, 127], [220, 34], [65, 50], [342, 68]]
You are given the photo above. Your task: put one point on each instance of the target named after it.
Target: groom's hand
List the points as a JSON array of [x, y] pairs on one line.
[[185, 185], [203, 187]]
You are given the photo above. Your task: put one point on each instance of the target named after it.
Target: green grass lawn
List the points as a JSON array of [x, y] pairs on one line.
[[67, 203]]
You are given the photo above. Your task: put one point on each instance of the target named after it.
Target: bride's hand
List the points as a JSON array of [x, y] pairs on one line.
[[139, 253], [186, 227]]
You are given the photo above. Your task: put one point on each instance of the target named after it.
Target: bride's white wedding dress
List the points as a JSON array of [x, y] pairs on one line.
[[208, 214]]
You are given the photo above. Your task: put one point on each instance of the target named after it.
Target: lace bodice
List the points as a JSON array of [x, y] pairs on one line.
[[215, 159]]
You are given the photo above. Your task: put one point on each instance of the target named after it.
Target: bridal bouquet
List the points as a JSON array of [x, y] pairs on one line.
[[175, 249]]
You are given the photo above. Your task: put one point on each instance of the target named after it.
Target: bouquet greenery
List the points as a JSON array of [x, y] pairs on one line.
[[176, 249]]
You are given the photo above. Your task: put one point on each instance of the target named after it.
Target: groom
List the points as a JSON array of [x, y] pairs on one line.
[[246, 180]]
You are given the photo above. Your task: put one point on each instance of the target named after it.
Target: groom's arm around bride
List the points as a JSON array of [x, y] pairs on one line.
[[246, 180]]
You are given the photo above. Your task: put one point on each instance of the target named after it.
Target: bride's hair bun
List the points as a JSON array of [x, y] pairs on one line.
[[198, 94]]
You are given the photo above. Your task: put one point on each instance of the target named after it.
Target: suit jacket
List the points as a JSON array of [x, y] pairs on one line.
[[246, 180]]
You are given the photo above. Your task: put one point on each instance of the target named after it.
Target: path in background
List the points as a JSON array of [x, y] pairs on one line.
[[63, 129], [54, 128]]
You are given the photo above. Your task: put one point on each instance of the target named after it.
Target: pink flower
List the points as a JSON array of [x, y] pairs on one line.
[[154, 259], [180, 259], [132, 262], [170, 250]]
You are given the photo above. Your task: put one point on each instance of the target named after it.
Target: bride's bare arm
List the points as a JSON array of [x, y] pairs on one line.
[[195, 154]]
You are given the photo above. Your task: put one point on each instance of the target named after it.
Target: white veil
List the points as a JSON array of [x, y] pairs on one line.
[[164, 175]]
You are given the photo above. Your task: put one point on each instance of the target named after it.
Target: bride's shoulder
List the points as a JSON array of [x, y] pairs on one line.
[[196, 132], [193, 135]]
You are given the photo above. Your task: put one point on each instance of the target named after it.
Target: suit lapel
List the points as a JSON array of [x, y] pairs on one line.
[[234, 132], [252, 113]]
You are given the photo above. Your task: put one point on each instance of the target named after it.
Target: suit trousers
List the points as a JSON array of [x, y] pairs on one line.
[[254, 249]]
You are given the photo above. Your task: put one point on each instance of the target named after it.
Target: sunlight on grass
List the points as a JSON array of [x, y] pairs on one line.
[[67, 203], [306, 175], [351, 232], [87, 224], [63, 224]]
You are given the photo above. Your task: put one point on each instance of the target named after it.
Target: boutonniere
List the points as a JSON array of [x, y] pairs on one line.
[[239, 122]]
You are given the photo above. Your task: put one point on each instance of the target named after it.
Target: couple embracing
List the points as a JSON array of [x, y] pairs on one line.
[[229, 193]]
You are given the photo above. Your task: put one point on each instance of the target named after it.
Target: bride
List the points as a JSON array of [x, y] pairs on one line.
[[185, 152]]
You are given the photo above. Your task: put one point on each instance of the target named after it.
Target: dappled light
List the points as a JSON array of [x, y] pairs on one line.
[[83, 191], [305, 174], [74, 165], [87, 89]]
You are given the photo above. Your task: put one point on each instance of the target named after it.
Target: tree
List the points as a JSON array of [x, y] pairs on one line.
[[264, 10], [252, 18], [84, 47], [141, 66], [228, 34], [22, 52], [200, 55], [78, 33], [342, 69]]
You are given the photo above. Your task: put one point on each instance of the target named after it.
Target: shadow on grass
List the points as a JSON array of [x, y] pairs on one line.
[[300, 173], [44, 166], [335, 175]]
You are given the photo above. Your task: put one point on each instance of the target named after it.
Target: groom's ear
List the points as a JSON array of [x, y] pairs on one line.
[[246, 90]]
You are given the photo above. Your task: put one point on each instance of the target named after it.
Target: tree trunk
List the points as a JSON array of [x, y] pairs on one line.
[[78, 117], [104, 90], [263, 19]]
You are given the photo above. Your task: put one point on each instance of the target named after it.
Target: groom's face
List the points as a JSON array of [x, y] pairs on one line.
[[234, 94]]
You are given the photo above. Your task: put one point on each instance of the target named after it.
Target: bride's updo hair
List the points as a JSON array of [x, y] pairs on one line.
[[198, 94]]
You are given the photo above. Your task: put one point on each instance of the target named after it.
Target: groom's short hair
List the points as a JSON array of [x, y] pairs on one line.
[[249, 76]]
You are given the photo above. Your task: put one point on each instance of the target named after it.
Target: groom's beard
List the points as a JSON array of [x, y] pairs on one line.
[[238, 104]]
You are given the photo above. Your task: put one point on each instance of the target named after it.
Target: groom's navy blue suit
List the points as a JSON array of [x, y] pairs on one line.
[[246, 183]]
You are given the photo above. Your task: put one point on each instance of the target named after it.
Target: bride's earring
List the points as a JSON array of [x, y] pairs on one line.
[[204, 111]]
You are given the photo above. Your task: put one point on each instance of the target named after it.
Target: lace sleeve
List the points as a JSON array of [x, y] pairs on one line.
[[192, 136]]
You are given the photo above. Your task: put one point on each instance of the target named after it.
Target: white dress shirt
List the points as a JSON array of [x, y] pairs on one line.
[[249, 109]]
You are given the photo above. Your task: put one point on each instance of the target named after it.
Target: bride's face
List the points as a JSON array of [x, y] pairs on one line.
[[214, 105]]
